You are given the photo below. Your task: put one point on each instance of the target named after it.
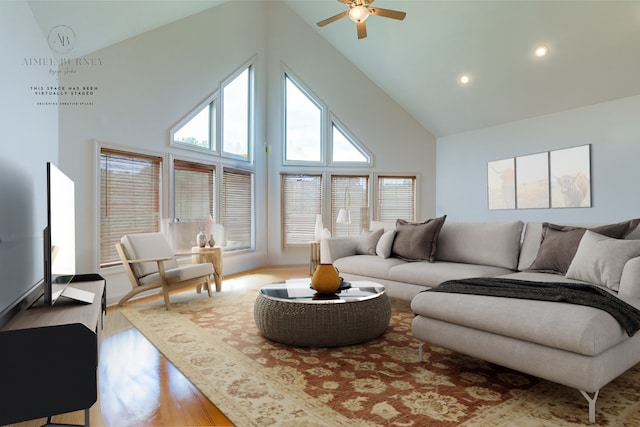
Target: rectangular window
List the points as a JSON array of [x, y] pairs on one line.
[[396, 198], [301, 202], [349, 204], [237, 208], [193, 187], [129, 198]]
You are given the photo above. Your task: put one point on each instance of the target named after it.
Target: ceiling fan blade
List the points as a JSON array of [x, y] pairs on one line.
[[347, 2], [387, 13], [362, 29], [332, 19]]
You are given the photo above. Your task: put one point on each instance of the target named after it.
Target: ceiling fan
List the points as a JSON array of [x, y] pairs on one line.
[[359, 11]]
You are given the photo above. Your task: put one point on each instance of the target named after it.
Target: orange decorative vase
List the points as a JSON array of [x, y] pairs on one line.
[[326, 279]]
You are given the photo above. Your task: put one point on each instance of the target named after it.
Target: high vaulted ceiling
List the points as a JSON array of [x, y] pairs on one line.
[[594, 51]]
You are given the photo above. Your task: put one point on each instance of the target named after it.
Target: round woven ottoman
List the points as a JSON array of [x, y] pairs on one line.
[[291, 313]]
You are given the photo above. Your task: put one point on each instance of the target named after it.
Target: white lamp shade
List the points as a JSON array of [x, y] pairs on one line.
[[344, 217]]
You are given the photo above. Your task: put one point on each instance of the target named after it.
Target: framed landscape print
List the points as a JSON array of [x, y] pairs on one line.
[[501, 184], [571, 177], [532, 179]]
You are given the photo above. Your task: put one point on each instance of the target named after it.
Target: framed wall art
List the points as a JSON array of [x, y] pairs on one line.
[[570, 172], [501, 184], [532, 181], [553, 179]]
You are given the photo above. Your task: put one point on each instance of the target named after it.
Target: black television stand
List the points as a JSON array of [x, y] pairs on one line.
[[49, 357], [86, 421], [78, 295]]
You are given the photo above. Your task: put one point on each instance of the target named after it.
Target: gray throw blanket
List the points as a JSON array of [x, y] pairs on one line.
[[572, 293]]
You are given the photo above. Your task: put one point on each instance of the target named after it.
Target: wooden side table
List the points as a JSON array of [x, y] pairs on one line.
[[314, 257], [212, 255]]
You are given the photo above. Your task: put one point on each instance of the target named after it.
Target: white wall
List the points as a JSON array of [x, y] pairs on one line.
[[399, 144], [29, 140], [612, 129], [146, 84]]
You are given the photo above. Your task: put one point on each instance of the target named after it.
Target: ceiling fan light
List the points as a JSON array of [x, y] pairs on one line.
[[358, 14]]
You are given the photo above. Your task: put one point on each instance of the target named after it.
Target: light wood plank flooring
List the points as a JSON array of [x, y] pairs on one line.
[[139, 387]]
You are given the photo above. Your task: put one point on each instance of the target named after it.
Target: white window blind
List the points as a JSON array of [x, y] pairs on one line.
[[301, 202], [237, 208], [194, 185], [396, 198], [129, 198], [350, 193]]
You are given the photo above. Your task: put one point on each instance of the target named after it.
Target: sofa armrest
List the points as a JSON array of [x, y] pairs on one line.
[[337, 247], [630, 280]]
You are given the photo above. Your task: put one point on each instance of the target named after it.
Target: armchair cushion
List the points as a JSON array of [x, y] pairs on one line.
[[180, 274], [148, 246]]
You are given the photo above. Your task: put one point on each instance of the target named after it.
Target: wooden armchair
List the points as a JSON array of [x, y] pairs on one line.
[[150, 263]]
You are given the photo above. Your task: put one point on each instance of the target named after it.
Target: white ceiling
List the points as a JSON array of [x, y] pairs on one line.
[[101, 23], [594, 51]]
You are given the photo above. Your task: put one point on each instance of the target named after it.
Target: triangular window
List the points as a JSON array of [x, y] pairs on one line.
[[345, 149], [198, 131], [303, 125]]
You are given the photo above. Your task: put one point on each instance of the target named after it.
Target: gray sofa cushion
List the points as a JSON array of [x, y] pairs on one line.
[[536, 276], [600, 259], [416, 241], [532, 237], [383, 248], [574, 328], [367, 265], [368, 241], [530, 245], [559, 243], [484, 243], [630, 280], [432, 274]]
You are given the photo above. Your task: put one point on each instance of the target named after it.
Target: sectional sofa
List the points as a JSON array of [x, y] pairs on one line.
[[578, 346]]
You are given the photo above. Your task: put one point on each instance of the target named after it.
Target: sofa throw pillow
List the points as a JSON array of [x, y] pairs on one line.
[[367, 242], [601, 259], [383, 248], [416, 241], [559, 243], [630, 279]]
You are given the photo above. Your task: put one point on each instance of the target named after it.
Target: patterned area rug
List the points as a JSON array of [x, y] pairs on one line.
[[256, 382]]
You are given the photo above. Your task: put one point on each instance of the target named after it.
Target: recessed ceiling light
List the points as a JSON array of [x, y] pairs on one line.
[[464, 79], [541, 51]]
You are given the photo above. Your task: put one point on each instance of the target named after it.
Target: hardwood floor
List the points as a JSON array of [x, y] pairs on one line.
[[139, 387]]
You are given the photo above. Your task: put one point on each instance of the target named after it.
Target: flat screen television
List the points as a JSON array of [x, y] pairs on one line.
[[59, 234], [22, 216]]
